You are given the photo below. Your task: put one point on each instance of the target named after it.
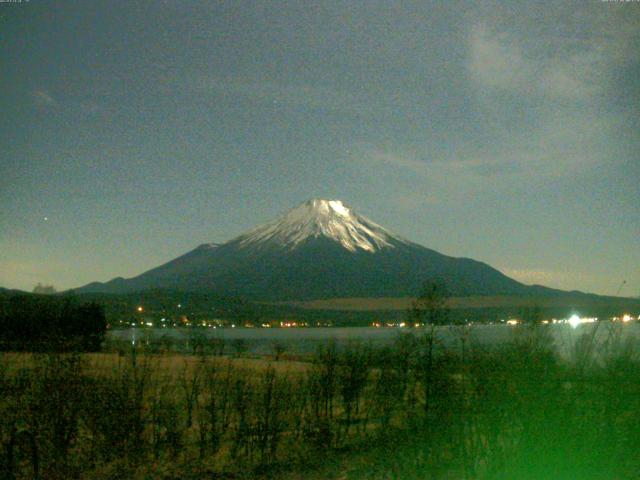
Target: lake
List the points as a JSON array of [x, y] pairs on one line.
[[306, 340]]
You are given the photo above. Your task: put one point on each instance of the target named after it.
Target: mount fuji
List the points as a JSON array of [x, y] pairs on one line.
[[320, 249]]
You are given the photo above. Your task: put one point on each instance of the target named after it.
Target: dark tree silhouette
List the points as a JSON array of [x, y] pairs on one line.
[[431, 306], [37, 322]]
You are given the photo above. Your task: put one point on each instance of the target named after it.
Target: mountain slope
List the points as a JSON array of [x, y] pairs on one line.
[[320, 249]]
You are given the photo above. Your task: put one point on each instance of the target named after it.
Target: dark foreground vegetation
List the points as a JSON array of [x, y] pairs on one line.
[[411, 410], [50, 323]]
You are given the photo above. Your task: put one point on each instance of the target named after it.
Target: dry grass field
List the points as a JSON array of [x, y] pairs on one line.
[[166, 364], [406, 411]]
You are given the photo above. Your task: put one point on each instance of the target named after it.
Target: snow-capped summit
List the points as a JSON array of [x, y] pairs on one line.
[[320, 249], [315, 218]]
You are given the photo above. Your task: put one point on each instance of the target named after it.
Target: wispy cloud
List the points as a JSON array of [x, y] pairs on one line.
[[43, 98], [89, 107], [558, 51], [414, 200], [498, 60], [562, 144], [543, 100], [283, 94]]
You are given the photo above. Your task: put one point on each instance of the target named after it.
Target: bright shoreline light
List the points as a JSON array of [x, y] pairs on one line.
[[574, 321]]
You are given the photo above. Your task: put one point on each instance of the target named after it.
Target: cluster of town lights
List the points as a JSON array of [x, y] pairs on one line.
[[574, 320]]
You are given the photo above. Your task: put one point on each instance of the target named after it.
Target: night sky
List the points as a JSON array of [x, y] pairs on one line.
[[131, 132]]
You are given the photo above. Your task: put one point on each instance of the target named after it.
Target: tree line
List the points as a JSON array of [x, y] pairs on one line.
[[44, 322]]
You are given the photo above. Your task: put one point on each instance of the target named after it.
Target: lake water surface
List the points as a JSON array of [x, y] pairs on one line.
[[306, 340]]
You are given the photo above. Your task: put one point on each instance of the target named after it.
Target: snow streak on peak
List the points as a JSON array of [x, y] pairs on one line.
[[322, 218], [208, 246]]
